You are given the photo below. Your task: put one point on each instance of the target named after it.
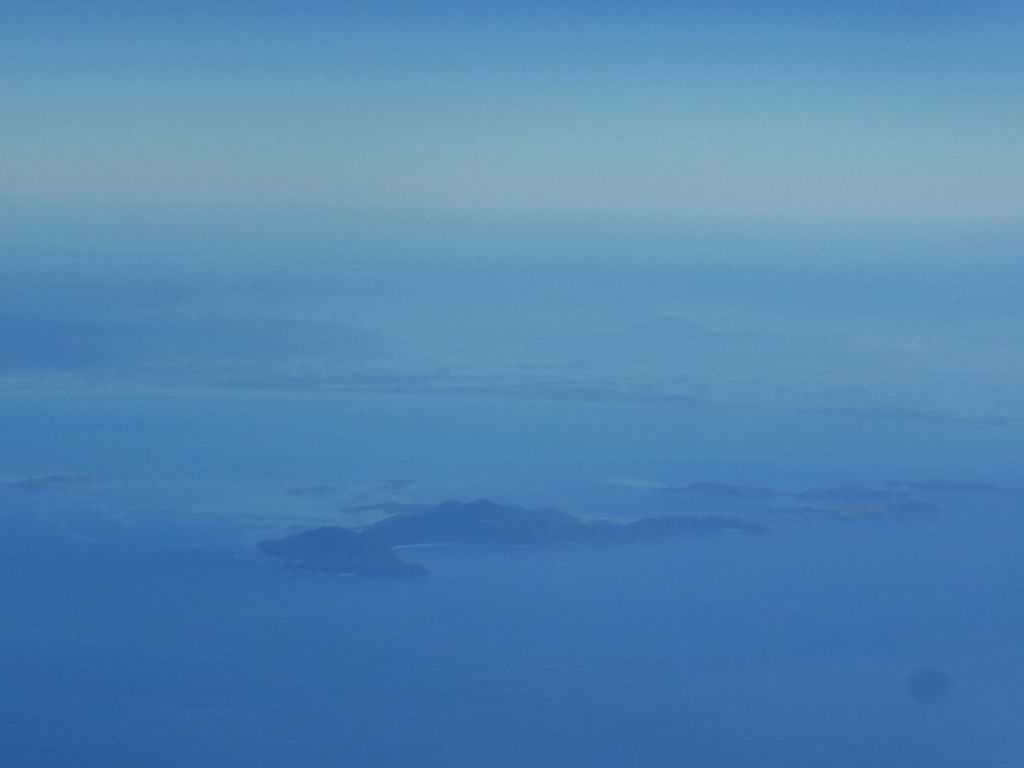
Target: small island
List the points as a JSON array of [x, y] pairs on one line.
[[370, 551]]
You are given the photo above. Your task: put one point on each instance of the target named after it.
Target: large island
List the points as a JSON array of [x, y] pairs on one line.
[[370, 551]]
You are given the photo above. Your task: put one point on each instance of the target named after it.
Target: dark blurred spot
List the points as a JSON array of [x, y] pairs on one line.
[[929, 684]]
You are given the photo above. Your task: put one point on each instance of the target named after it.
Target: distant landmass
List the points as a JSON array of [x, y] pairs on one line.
[[329, 490], [47, 482], [370, 551], [890, 508], [724, 490], [852, 495], [317, 491], [837, 502], [948, 486], [840, 495], [390, 508]]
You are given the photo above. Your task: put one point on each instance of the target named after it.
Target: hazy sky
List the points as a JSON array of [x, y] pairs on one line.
[[805, 204], [879, 109]]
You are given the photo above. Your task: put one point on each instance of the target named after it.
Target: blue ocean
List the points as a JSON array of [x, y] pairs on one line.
[[141, 626]]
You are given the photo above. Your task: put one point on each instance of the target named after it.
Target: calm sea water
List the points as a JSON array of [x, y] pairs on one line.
[[138, 626]]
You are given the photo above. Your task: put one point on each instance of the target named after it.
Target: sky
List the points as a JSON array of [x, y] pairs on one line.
[[787, 204], [727, 111]]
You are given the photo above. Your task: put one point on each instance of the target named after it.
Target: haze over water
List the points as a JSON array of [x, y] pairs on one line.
[[751, 268], [144, 627]]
